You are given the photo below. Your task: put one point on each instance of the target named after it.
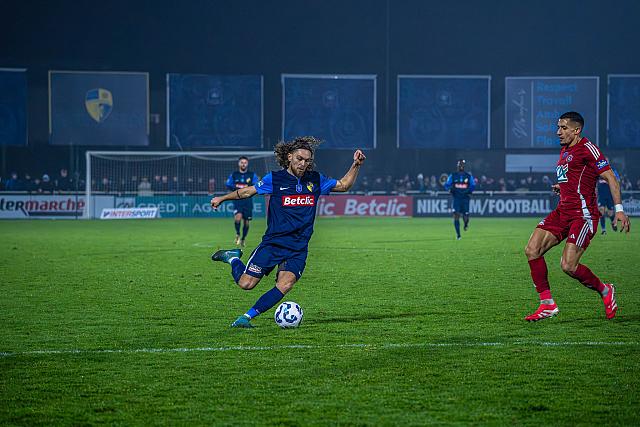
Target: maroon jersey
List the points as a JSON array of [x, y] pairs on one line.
[[577, 173]]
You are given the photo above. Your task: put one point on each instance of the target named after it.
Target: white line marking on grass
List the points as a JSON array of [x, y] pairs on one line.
[[203, 245], [320, 347]]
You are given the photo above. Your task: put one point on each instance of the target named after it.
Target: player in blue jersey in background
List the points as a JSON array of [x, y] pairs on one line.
[[294, 191], [242, 209], [461, 184], [605, 202]]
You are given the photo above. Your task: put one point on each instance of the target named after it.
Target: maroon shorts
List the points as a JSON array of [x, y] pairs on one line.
[[576, 229]]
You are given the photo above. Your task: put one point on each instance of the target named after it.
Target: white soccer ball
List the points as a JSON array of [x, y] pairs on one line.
[[288, 315]]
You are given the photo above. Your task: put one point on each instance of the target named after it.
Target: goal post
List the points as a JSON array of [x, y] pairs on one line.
[[165, 173]]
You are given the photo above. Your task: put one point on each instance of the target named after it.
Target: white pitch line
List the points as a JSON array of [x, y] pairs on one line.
[[319, 347]]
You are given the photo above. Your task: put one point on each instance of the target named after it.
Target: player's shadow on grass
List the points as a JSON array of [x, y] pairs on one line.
[[368, 317]]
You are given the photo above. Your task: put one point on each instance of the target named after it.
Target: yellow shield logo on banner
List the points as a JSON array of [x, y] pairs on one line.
[[99, 103]]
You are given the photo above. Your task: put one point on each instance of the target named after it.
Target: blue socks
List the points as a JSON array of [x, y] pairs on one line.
[[237, 225], [265, 302], [456, 224], [237, 268], [245, 230], [603, 223]]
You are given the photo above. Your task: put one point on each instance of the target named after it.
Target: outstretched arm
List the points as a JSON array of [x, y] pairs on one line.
[[241, 193], [614, 186], [347, 181]]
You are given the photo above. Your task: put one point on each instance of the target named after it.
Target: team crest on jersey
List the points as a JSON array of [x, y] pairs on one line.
[[99, 103], [569, 158], [248, 180], [310, 186], [561, 173]]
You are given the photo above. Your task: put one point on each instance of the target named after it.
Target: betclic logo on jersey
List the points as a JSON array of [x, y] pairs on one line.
[[298, 200]]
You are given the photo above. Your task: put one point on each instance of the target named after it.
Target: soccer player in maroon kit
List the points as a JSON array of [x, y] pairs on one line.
[[576, 217]]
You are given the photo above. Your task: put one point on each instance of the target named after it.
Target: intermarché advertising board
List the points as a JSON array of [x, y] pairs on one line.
[[28, 206]]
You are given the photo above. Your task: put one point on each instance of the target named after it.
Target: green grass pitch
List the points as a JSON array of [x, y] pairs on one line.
[[125, 322]]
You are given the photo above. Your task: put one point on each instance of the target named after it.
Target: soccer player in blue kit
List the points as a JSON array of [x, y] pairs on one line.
[[294, 191], [461, 184], [605, 202], [242, 209]]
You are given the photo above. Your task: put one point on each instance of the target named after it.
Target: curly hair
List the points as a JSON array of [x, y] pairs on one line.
[[282, 149]]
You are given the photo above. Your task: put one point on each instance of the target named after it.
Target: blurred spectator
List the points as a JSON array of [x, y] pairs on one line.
[[212, 186], [173, 185], [46, 185], [144, 188], [364, 184], [502, 184], [625, 183], [14, 183], [433, 184], [420, 182], [63, 181], [388, 184], [30, 185], [105, 184], [638, 184], [378, 185], [34, 185], [157, 183], [164, 186]]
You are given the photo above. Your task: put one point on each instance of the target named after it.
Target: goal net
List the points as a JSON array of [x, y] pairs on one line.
[[158, 173]]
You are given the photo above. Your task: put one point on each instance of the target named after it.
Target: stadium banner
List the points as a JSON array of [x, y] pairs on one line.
[[443, 111], [41, 206], [98, 108], [188, 206], [534, 104], [623, 112], [489, 205], [214, 111], [13, 106], [339, 109], [130, 213], [348, 205]]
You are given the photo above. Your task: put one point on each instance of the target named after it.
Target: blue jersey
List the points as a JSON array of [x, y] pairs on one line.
[[604, 192], [460, 184], [292, 206], [239, 180]]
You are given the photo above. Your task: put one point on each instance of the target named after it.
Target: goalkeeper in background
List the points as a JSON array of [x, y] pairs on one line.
[[243, 208]]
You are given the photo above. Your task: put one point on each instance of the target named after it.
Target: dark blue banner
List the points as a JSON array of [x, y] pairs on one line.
[[443, 112], [214, 111], [13, 107], [98, 108], [341, 110], [623, 120], [534, 104]]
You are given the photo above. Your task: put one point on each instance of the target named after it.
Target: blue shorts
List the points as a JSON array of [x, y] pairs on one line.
[[605, 201], [266, 257], [243, 207], [461, 206]]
